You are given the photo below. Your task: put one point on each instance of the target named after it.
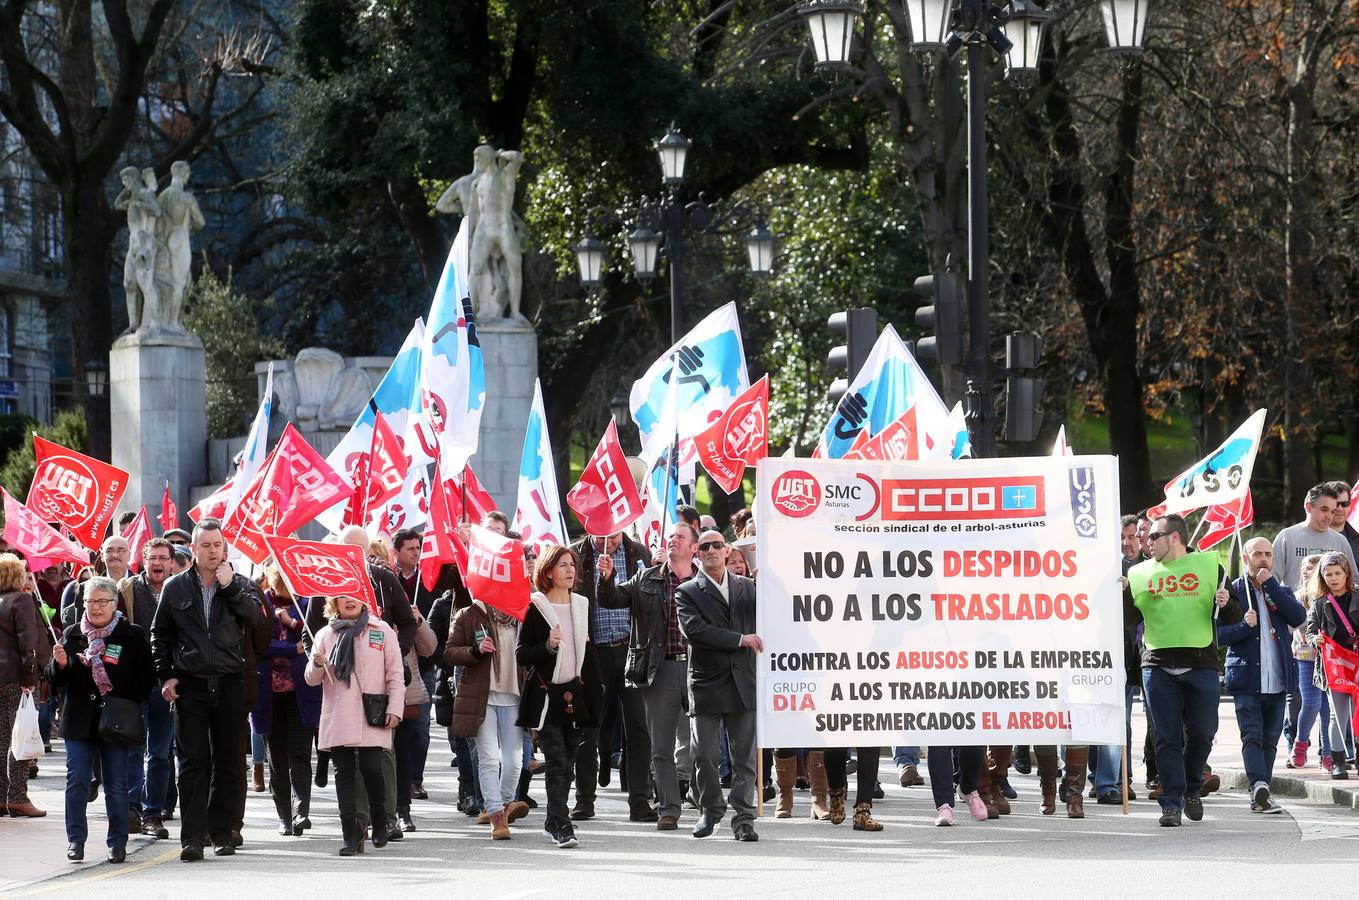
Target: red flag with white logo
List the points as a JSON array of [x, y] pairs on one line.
[[1222, 519], [898, 441], [76, 490], [137, 533], [169, 513], [316, 569], [496, 573], [213, 506], [441, 542], [606, 497], [739, 438], [379, 474], [478, 501], [299, 484], [40, 543]]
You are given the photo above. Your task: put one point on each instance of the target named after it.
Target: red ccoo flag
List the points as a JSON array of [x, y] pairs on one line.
[[606, 498], [739, 438], [496, 573], [76, 490], [39, 542], [1225, 518], [137, 532], [478, 504], [441, 542], [316, 569], [169, 514]]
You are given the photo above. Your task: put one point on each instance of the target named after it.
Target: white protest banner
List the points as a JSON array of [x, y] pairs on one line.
[[959, 602]]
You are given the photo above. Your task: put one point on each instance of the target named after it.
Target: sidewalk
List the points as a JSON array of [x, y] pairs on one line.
[[35, 849], [1311, 782]]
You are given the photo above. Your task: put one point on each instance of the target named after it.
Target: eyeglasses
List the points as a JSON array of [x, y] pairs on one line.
[[1343, 504], [99, 602], [712, 545]]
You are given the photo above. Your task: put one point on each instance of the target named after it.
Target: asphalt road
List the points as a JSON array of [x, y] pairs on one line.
[[1232, 851]]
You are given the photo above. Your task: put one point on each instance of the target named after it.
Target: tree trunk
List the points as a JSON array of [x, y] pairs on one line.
[[88, 227]]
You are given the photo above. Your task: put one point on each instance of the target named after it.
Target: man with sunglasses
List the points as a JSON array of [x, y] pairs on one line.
[[717, 615], [1340, 519], [1178, 595]]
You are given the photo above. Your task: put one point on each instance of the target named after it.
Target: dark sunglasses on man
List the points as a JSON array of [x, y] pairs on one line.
[[712, 545]]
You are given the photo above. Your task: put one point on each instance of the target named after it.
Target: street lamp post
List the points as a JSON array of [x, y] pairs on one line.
[[1014, 30], [661, 227]]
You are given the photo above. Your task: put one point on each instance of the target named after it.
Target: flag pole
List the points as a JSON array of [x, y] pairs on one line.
[[37, 595], [1203, 519]]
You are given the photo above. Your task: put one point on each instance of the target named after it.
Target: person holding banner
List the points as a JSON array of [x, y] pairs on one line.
[[1176, 595], [1260, 670], [357, 663], [103, 656], [1333, 627], [198, 640], [562, 691]]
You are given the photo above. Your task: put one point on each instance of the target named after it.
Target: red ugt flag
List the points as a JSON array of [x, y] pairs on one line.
[[316, 569], [1224, 518], [169, 515], [496, 573], [739, 438], [76, 490], [137, 532], [606, 498], [39, 542], [479, 503]]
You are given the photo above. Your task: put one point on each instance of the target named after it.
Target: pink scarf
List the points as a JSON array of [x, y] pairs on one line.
[[94, 653]]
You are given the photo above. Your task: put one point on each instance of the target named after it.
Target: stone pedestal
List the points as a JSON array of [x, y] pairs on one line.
[[510, 352], [158, 406]]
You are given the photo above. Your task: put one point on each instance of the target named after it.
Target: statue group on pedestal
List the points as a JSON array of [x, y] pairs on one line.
[[156, 271], [496, 250]]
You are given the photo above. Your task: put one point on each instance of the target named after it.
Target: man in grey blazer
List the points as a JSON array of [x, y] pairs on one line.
[[717, 615]]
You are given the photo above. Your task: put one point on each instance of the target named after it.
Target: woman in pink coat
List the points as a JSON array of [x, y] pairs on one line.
[[357, 662]]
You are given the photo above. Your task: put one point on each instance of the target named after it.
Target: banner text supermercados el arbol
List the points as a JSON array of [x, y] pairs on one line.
[[961, 602]]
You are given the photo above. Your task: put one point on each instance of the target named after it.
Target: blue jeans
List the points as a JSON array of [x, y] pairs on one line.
[[1108, 768], [500, 747], [80, 756], [1315, 706], [420, 749], [906, 756], [160, 742], [259, 750], [1260, 718], [1183, 711]]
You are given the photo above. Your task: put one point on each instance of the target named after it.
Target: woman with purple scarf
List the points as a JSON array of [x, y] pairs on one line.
[[100, 657]]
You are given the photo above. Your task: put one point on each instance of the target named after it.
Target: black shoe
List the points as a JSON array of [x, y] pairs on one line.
[[769, 793], [584, 811], [75, 852], [1338, 772], [191, 853], [746, 833], [220, 850], [1109, 799], [394, 832], [154, 827], [565, 837], [117, 855], [236, 839], [286, 829], [705, 825], [322, 773], [1008, 792], [94, 790], [1022, 762], [878, 792], [300, 824], [418, 792], [1193, 808], [643, 811], [380, 837], [1170, 818], [725, 781]]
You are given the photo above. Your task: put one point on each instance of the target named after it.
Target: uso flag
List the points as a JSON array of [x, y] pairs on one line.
[[738, 439], [496, 574], [76, 490], [606, 498], [1220, 477], [314, 569]]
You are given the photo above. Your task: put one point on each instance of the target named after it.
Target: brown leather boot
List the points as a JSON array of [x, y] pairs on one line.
[[257, 779], [1000, 767], [785, 774], [1074, 781], [816, 775], [500, 828], [837, 806], [1047, 777], [986, 792]]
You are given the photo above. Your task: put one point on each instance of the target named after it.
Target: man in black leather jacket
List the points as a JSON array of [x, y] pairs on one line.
[[198, 640]]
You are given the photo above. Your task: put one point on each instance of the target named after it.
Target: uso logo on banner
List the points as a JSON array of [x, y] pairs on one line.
[[796, 494]]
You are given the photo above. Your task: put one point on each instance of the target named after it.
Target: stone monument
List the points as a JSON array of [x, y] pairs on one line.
[[509, 345], [157, 372]]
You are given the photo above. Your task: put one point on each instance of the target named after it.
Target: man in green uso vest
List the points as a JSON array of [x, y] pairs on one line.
[[1176, 594]]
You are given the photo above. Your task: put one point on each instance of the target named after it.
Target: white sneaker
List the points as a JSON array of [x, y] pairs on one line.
[[944, 817]]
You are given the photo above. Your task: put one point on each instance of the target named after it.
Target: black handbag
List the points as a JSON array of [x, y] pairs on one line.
[[120, 722], [375, 709]]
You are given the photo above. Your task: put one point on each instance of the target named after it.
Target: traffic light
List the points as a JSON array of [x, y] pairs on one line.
[[1023, 394], [943, 315], [859, 327]]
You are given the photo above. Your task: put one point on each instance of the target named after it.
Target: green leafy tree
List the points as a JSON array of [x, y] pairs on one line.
[[68, 430]]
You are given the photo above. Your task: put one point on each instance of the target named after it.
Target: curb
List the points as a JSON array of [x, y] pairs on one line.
[[1292, 786], [134, 847]]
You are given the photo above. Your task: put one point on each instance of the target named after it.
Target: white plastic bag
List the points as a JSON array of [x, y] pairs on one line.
[[25, 740]]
